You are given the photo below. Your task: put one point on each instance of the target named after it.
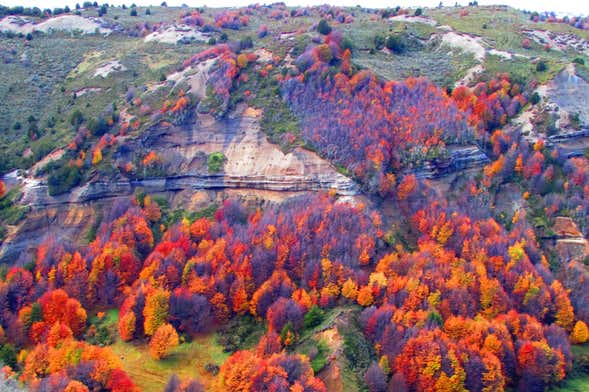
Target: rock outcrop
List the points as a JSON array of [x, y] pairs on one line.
[[460, 158]]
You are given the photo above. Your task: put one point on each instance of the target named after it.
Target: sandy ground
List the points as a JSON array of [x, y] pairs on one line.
[[108, 68], [69, 23], [264, 56], [466, 43], [174, 34], [473, 45], [413, 19], [470, 75]]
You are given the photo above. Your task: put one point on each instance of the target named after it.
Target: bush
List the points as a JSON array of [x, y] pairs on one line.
[[541, 66], [98, 126], [246, 43], [395, 43], [76, 118], [418, 12], [8, 355], [535, 98], [215, 162], [575, 121], [313, 318], [133, 12], [63, 179], [357, 349], [320, 360], [579, 60], [323, 27], [379, 41], [234, 335]]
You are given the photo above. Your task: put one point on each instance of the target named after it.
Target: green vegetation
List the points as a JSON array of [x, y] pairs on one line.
[[317, 351], [323, 27], [10, 212], [395, 43], [63, 179], [103, 330], [239, 333], [186, 361], [215, 162], [578, 381], [313, 317], [541, 66], [356, 348]]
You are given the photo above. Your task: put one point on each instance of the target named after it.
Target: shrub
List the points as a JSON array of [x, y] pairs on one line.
[[133, 12], [379, 42], [418, 12], [246, 43], [76, 118], [215, 162], [323, 27], [98, 126], [395, 43], [8, 355], [63, 179], [535, 98], [541, 66], [313, 318], [357, 349]]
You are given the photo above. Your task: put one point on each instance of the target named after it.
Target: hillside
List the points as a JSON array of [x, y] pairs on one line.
[[293, 199]]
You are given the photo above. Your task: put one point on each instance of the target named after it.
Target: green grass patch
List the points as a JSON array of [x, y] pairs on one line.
[[578, 379], [317, 351], [187, 361]]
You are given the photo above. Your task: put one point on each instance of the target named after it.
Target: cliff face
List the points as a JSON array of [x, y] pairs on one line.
[[460, 158], [251, 162], [254, 170]]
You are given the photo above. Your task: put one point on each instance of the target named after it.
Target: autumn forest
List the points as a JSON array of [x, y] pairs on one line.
[[276, 198]]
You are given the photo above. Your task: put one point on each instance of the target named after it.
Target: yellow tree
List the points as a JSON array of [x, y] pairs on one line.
[[156, 310], [580, 333], [565, 316], [163, 341]]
